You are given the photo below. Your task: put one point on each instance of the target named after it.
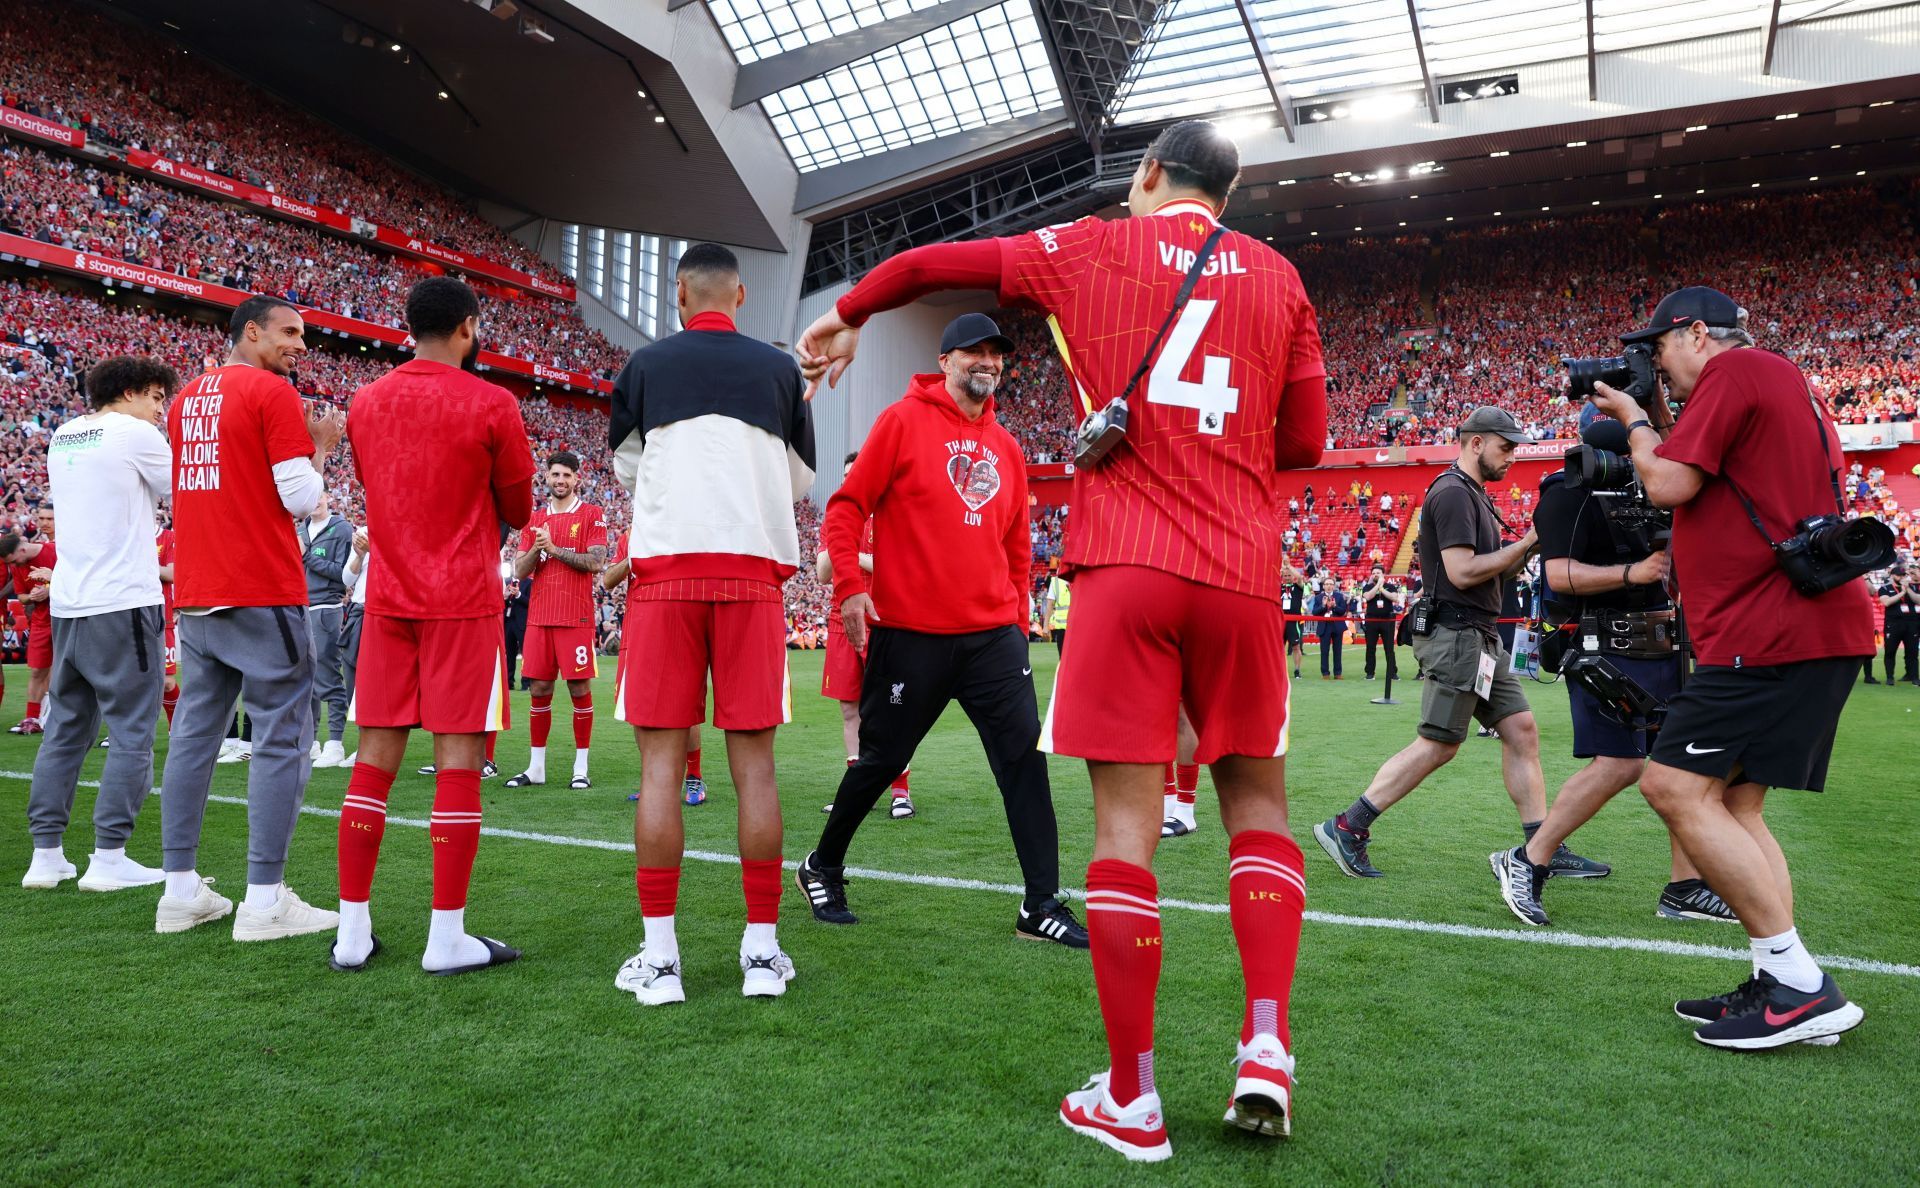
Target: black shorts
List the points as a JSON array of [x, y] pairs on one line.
[[1771, 725], [1595, 734], [1293, 633]]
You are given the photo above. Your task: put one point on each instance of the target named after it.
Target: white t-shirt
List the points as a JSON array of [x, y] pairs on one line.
[[107, 473]]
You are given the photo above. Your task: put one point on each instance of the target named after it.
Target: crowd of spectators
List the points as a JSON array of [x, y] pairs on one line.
[[87, 207], [132, 88]]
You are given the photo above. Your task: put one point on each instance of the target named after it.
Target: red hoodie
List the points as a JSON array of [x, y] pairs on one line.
[[948, 497]]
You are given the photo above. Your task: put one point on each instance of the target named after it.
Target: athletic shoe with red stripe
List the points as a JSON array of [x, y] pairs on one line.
[[1772, 1015], [1263, 1088], [1137, 1130]]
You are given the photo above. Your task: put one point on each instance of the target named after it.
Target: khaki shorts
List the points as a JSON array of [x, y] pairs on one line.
[[1451, 658]]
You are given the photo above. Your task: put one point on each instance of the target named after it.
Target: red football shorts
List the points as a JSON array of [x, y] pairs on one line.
[[172, 651], [558, 654], [1145, 643], [845, 668], [743, 644], [40, 641], [448, 676]]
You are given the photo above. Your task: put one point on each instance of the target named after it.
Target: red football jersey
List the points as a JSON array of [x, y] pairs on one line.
[[563, 595], [24, 584], [234, 543], [438, 451], [163, 543], [1191, 491]]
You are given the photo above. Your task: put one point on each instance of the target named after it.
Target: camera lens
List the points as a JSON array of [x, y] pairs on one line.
[[1583, 374]]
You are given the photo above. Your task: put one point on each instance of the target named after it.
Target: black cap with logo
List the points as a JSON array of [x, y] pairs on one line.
[[1684, 307], [1497, 421], [971, 330]]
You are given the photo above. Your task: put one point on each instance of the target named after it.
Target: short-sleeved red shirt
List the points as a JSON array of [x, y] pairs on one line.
[[431, 446], [24, 583], [1751, 422], [1191, 491], [563, 595], [234, 543]]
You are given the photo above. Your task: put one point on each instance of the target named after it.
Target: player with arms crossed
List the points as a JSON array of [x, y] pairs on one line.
[[563, 547], [433, 650], [1174, 551]]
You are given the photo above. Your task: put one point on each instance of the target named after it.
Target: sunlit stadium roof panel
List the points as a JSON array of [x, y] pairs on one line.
[[979, 70], [757, 29]]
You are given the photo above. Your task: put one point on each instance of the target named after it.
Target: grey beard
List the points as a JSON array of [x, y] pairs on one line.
[[981, 386]]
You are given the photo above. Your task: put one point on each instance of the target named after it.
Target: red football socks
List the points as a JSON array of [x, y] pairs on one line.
[[1186, 781], [540, 719], [1266, 894], [659, 890], [900, 784], [33, 709], [761, 881], [363, 821], [169, 698], [1123, 922], [693, 764], [455, 831], [1171, 785], [583, 720], [493, 736]]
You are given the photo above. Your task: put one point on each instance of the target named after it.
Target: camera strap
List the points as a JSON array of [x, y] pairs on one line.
[[1180, 300], [1833, 475]]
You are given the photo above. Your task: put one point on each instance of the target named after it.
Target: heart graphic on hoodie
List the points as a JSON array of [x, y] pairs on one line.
[[976, 482]]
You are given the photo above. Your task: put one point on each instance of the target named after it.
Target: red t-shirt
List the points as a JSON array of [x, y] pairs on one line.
[[24, 583], [234, 543], [163, 544], [950, 495], [443, 457], [1750, 422], [1191, 491], [563, 595]]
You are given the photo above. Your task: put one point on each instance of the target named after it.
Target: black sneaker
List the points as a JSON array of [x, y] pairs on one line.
[[1050, 921], [430, 769], [1347, 848], [1707, 1010], [1520, 883], [1776, 1015], [489, 769], [1565, 864], [1871, 680], [826, 890], [1691, 899]]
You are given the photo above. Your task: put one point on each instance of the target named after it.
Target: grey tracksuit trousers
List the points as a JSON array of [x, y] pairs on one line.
[[329, 681], [106, 666], [260, 654]]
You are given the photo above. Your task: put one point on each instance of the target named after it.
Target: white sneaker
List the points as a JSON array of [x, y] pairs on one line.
[[234, 751], [1262, 1088], [43, 874], [351, 759], [652, 983], [332, 755], [313, 752], [292, 916], [1138, 1131], [117, 874], [767, 976], [178, 915]]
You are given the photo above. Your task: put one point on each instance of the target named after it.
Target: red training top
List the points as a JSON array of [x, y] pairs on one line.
[[1751, 421], [949, 496], [443, 457], [24, 583], [563, 595], [234, 542], [1237, 390]]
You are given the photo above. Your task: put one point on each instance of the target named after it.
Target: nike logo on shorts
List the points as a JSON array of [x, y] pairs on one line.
[[1026, 672], [1693, 750]]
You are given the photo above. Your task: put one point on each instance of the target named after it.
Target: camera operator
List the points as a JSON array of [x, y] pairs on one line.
[[1900, 599], [1455, 638], [1380, 601], [1775, 663], [1603, 587]]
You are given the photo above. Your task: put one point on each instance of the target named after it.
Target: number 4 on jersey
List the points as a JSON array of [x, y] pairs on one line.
[[1213, 397]]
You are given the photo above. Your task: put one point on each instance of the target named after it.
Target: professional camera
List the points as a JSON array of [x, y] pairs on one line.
[[1637, 525], [1631, 372], [1827, 552]]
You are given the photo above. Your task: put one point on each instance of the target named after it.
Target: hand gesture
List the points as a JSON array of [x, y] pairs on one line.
[[360, 543], [326, 424], [542, 539], [855, 613], [826, 349]]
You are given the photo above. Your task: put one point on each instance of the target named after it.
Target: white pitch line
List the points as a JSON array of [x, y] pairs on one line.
[[1565, 940]]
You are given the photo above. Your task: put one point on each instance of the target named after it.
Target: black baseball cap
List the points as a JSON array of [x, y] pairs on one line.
[[1497, 421], [1684, 307], [971, 330]]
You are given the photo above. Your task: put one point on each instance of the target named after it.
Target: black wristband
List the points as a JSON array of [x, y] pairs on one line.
[[1638, 423]]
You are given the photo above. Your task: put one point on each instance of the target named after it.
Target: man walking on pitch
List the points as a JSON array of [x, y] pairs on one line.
[[1467, 670], [711, 433], [108, 469], [432, 638], [246, 459], [1174, 551], [562, 549], [946, 487]]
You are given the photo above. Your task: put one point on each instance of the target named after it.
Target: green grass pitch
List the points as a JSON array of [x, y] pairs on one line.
[[927, 1045]]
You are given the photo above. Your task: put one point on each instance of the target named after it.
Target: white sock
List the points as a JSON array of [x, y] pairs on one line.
[[580, 764], [354, 941], [262, 896], [661, 944], [183, 884], [1787, 960], [537, 764], [110, 856], [54, 856], [759, 940], [448, 944]]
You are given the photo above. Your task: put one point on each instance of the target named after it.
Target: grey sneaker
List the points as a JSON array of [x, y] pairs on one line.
[[1347, 848], [1520, 882], [1565, 864], [1691, 899]]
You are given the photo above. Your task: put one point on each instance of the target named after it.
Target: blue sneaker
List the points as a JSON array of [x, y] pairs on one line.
[[696, 790]]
